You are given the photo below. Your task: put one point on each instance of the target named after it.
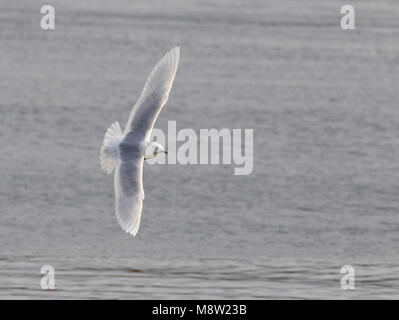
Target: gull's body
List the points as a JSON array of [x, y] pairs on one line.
[[126, 151]]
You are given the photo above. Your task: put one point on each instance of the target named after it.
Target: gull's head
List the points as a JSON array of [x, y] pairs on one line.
[[159, 149], [153, 149]]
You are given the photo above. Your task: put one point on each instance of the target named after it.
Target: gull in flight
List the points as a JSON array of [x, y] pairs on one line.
[[126, 151]]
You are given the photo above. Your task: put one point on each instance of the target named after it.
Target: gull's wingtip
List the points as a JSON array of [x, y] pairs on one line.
[[131, 232], [176, 51]]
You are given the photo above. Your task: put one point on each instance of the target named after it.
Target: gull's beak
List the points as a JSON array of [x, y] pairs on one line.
[[166, 152]]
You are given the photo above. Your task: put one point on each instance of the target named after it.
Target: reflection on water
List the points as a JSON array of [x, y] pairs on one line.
[[205, 279]]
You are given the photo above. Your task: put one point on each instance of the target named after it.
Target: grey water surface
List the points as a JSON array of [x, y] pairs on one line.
[[323, 103]]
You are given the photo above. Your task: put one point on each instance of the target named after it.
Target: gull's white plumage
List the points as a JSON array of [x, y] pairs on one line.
[[123, 151]]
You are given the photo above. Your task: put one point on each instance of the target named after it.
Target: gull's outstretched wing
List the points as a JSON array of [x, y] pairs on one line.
[[129, 193], [154, 95]]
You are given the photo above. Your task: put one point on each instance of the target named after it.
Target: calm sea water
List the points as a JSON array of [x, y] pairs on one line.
[[323, 104]]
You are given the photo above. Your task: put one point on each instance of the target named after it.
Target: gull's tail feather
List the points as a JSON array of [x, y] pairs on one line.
[[109, 155]]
